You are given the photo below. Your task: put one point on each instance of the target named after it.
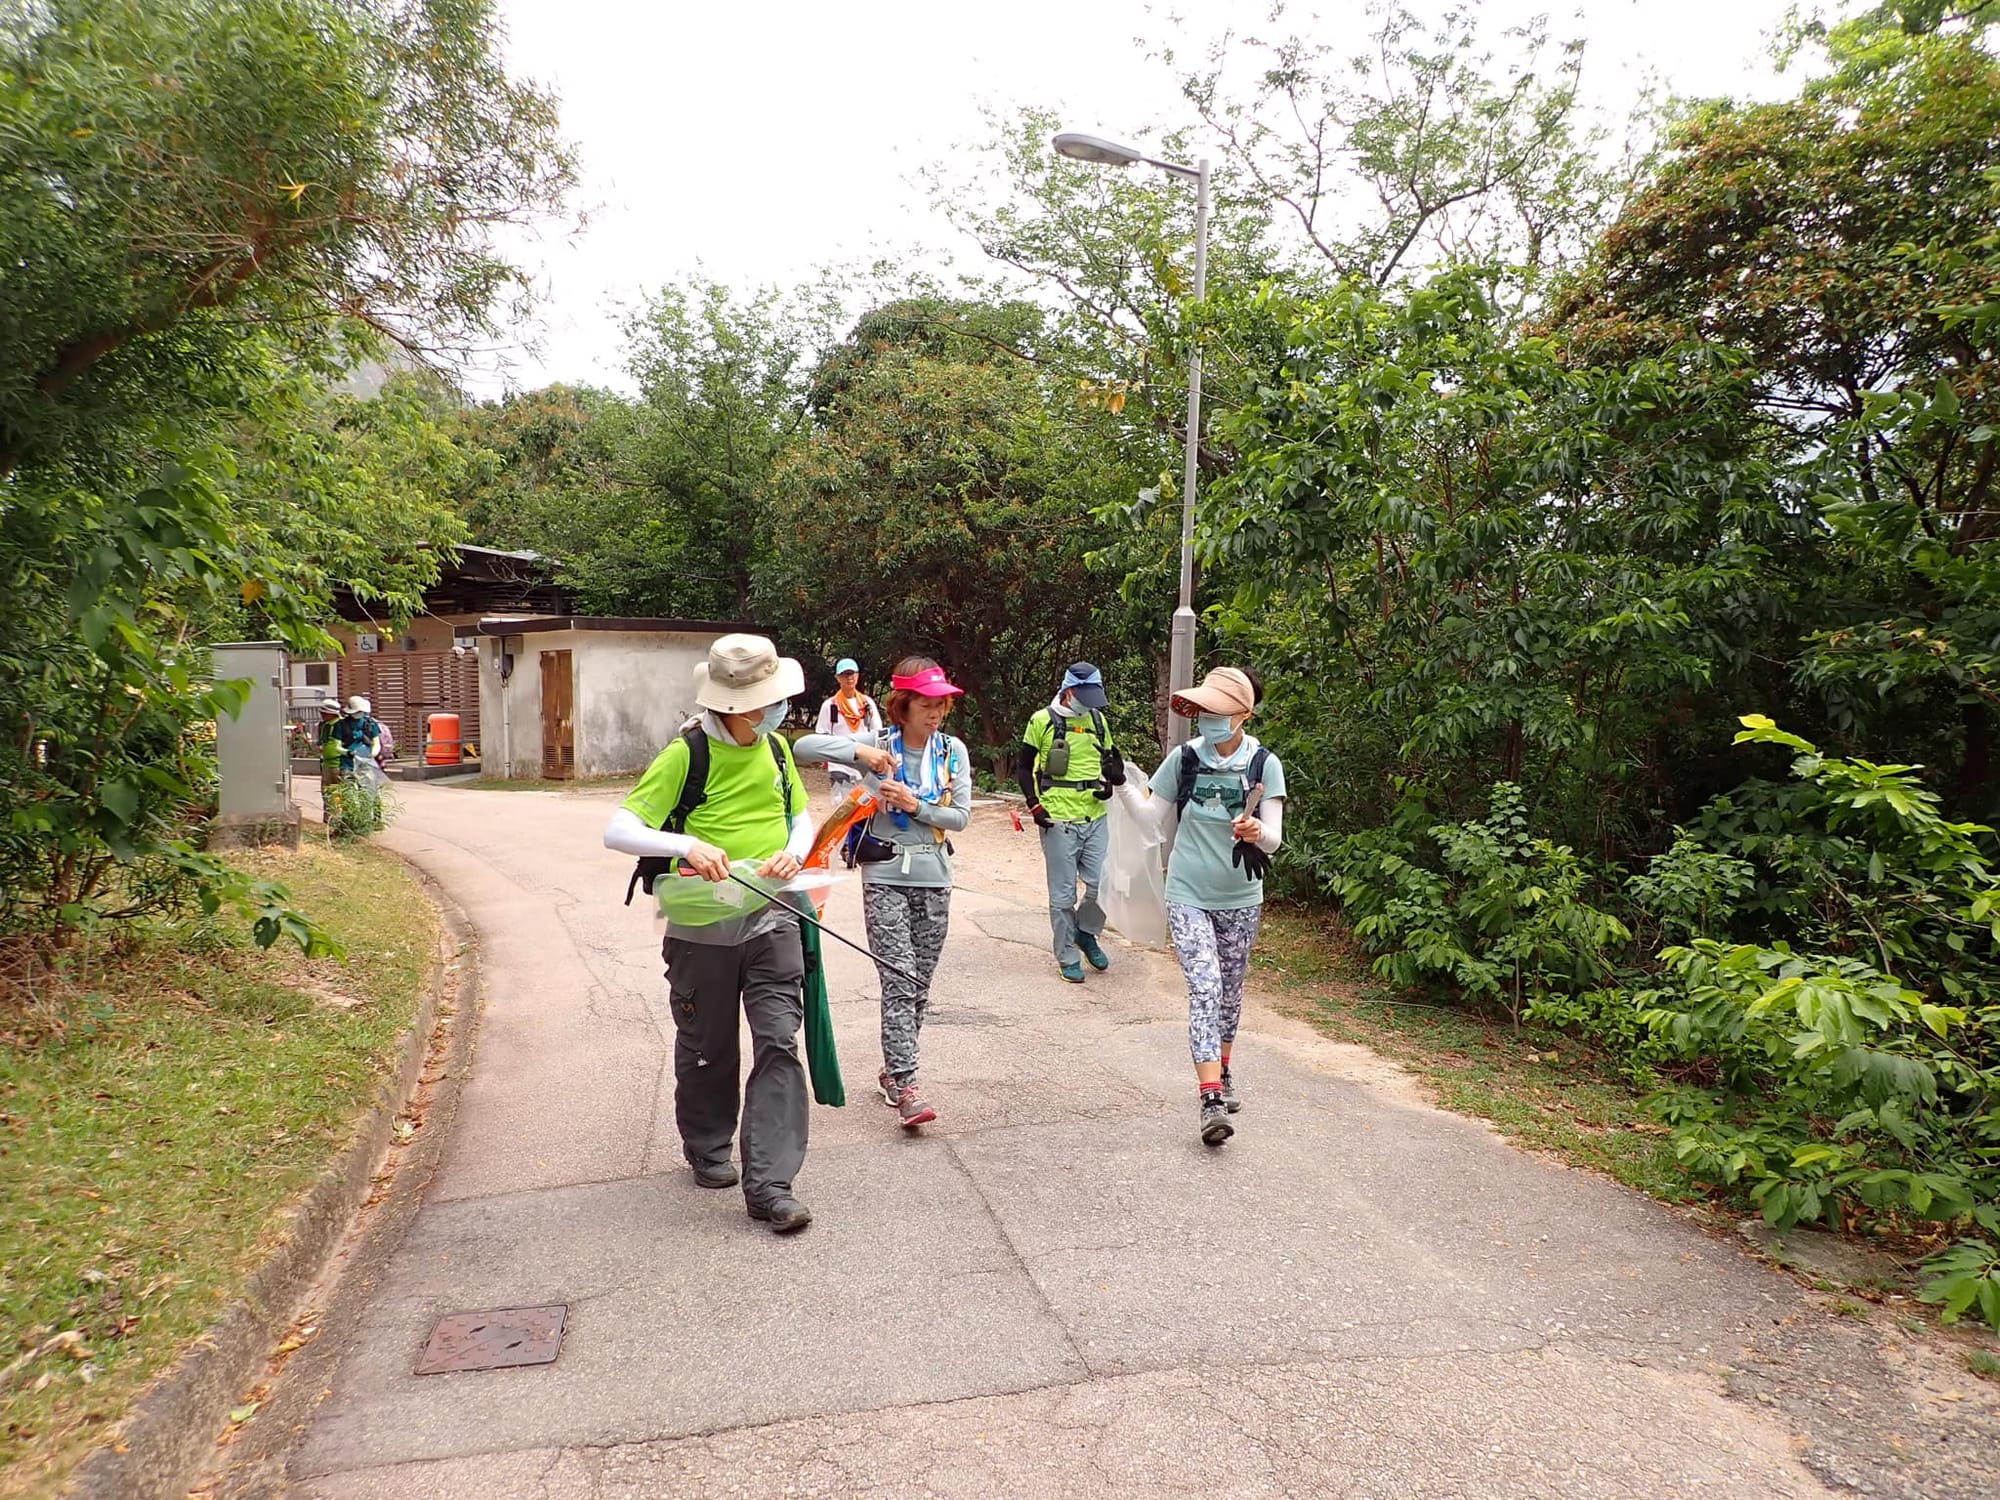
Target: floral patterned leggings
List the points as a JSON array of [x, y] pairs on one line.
[[1214, 950]]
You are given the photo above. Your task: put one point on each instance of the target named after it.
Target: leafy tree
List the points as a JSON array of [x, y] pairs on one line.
[[1520, 570], [201, 201], [1842, 243], [941, 505], [650, 505], [338, 491], [551, 471], [171, 170], [1453, 150]]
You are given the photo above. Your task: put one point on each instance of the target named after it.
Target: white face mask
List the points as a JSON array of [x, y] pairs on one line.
[[773, 717], [1215, 728]]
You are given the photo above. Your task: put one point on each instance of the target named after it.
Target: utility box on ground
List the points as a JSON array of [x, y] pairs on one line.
[[253, 753]]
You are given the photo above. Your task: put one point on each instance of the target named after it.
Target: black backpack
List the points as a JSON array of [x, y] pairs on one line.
[[1191, 767], [694, 792]]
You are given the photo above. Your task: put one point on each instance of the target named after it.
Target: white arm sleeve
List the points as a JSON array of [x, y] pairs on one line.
[[799, 845], [628, 835], [1154, 813], [1271, 813]]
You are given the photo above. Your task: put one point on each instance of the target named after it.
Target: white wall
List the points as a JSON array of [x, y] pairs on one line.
[[634, 690], [510, 713]]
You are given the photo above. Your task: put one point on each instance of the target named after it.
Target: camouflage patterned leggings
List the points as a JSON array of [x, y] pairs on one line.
[[1214, 950], [906, 925]]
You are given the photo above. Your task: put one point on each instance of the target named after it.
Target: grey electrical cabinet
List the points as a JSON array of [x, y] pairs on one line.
[[253, 751]]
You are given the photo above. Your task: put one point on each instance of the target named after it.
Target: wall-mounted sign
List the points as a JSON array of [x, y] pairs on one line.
[[367, 640]]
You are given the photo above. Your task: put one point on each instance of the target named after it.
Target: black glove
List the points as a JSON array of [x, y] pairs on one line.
[[1252, 861], [1102, 791], [1114, 771], [1041, 816]]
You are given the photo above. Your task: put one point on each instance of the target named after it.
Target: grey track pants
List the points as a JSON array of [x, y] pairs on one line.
[[708, 983], [1073, 852]]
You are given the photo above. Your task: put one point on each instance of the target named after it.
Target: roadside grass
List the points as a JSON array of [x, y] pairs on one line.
[[148, 1145], [1541, 1090]]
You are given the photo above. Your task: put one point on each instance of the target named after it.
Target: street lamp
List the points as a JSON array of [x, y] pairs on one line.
[[1180, 651]]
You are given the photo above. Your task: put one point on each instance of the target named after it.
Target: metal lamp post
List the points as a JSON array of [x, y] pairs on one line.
[[1180, 652]]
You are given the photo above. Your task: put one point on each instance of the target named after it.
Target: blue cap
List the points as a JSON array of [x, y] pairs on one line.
[[846, 664], [1085, 684]]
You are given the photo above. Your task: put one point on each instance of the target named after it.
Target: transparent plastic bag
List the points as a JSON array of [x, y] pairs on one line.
[[1134, 893], [725, 913]]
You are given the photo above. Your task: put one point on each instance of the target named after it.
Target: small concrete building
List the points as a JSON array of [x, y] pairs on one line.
[[427, 666], [576, 696]]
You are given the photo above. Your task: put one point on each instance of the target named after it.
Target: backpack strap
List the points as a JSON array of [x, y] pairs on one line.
[[780, 752], [694, 787], [1184, 792]]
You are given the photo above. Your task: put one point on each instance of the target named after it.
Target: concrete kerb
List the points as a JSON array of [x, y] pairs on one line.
[[169, 1438]]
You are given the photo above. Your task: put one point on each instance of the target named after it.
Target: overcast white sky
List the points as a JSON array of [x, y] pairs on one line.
[[758, 142]]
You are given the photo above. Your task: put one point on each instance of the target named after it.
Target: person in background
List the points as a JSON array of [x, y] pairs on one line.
[[1068, 768], [850, 713], [357, 732], [748, 805], [1223, 795], [330, 752], [923, 779]]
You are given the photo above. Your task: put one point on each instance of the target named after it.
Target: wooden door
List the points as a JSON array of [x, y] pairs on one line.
[[558, 717]]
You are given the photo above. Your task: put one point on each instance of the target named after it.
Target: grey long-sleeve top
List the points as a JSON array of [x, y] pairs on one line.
[[922, 858]]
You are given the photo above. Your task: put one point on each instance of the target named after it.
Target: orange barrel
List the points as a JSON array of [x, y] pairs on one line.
[[444, 748]]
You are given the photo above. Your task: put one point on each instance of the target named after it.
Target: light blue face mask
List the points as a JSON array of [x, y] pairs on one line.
[[1213, 728], [773, 717]]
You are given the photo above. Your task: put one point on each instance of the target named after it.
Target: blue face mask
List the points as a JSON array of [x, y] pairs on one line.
[[1213, 727], [773, 717]]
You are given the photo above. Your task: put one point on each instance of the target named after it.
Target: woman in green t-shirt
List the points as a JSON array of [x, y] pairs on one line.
[[1224, 794]]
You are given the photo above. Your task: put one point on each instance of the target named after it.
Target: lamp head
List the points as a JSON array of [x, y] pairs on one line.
[[1079, 147]]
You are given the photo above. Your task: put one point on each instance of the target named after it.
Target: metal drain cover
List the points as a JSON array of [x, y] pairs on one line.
[[495, 1340]]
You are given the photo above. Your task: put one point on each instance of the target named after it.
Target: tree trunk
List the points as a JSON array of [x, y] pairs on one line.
[[1975, 768]]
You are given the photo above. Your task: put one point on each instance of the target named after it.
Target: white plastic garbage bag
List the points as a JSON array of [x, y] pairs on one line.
[[725, 913], [1134, 894], [369, 773]]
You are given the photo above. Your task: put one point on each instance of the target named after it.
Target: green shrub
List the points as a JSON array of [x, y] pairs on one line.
[[1849, 1072], [1483, 905], [355, 809]]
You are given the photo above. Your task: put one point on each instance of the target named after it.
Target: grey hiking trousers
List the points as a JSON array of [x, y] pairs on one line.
[[707, 984]]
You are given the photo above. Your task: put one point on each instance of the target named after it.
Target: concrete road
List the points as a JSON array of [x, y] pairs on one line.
[[1055, 1287]]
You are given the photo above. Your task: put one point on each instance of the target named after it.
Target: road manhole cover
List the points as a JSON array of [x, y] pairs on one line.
[[495, 1340]]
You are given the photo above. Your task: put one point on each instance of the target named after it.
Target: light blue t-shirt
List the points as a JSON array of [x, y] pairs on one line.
[[1199, 871]]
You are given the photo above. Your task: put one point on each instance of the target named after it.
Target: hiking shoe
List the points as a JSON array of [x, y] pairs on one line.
[[1072, 972], [719, 1174], [784, 1213], [1099, 959], [913, 1107], [887, 1088], [1215, 1126], [1229, 1100]]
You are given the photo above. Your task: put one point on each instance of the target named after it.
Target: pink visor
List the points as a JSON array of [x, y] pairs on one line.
[[929, 683]]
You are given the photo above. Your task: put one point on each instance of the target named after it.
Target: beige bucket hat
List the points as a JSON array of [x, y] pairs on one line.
[[744, 673], [1223, 691]]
